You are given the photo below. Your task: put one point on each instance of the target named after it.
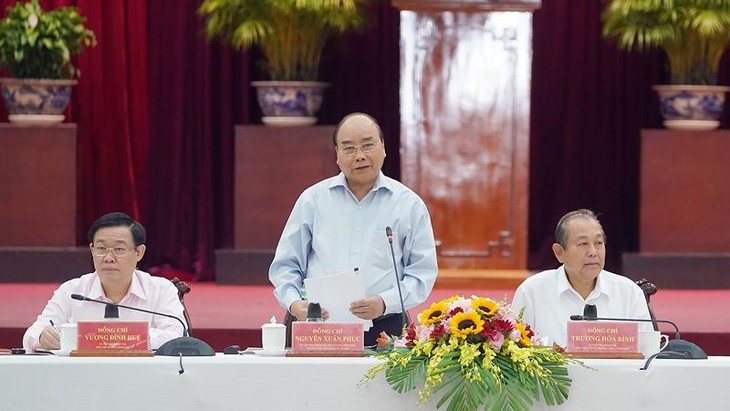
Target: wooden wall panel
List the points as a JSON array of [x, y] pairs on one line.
[[685, 192], [465, 81], [38, 186], [273, 166]]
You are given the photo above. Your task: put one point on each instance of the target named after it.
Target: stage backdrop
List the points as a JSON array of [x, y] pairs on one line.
[[156, 106]]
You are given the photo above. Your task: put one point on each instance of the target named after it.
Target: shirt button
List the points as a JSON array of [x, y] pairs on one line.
[[355, 251], [357, 229]]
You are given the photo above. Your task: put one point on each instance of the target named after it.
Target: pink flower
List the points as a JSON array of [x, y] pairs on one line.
[[537, 339], [495, 337]]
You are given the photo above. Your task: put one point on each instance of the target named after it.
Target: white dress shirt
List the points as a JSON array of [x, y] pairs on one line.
[[145, 291], [330, 232], [549, 300]]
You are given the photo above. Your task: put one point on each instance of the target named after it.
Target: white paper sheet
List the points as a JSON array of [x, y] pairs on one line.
[[335, 293]]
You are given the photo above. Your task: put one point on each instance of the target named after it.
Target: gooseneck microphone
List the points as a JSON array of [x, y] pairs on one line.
[[676, 348], [389, 234], [185, 345]]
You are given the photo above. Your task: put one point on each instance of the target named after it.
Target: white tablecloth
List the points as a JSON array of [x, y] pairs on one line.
[[250, 382]]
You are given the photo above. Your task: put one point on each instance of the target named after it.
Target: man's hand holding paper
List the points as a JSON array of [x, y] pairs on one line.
[[349, 288], [368, 308]]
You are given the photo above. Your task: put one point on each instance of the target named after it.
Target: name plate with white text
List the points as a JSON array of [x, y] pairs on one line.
[[327, 339], [603, 339], [112, 338]]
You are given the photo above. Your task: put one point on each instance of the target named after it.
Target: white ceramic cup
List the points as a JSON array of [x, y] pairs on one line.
[[273, 337], [651, 342], [69, 338]]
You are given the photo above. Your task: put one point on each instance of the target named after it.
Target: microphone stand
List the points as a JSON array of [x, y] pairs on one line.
[[180, 346], [406, 317]]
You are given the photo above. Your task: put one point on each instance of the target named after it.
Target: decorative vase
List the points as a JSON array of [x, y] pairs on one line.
[[689, 107], [36, 101], [289, 103]]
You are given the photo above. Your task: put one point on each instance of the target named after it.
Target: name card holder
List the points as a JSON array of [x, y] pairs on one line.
[[112, 339], [603, 339], [326, 339]]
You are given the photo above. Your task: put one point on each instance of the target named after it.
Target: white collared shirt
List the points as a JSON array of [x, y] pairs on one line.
[[145, 291], [549, 300]]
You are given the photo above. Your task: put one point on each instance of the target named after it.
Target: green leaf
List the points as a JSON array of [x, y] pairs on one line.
[[404, 379]]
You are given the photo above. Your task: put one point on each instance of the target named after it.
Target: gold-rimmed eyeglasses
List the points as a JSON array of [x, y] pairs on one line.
[[101, 251], [351, 149]]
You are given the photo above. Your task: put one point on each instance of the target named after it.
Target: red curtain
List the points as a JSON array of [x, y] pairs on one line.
[[589, 102], [198, 92]]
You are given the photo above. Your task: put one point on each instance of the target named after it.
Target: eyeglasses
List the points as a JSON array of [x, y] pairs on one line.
[[101, 251], [350, 150]]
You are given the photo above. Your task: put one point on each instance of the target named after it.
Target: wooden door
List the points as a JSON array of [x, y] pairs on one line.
[[465, 101]]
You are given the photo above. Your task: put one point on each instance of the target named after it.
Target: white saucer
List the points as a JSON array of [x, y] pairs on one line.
[[261, 352], [692, 125], [36, 119], [288, 121]]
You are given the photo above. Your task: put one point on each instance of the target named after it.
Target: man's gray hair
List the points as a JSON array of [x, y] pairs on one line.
[[561, 231]]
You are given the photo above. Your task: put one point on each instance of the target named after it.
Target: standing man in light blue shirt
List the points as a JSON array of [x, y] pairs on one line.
[[340, 223]]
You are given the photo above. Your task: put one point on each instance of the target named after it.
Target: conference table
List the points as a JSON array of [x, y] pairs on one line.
[[253, 382]]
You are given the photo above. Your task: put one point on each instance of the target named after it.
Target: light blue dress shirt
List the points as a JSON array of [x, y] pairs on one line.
[[330, 232]]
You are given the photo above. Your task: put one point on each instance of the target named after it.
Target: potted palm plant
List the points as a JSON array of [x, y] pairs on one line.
[[36, 48], [694, 34], [291, 35]]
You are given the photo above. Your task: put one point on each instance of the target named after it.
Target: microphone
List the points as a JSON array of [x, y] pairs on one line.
[[185, 345], [389, 234], [111, 311], [590, 311], [314, 312], [676, 348]]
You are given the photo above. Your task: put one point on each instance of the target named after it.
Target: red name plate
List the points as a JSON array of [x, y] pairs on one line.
[[113, 335], [326, 337], [603, 336]]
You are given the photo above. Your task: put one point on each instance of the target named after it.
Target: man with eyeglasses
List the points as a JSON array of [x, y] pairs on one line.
[[116, 242], [339, 224]]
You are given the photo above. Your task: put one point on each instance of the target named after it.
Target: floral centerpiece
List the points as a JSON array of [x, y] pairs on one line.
[[479, 353]]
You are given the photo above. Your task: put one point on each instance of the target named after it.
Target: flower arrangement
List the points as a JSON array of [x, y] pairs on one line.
[[479, 353]]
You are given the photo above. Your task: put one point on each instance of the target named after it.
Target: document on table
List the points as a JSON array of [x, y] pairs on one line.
[[335, 293]]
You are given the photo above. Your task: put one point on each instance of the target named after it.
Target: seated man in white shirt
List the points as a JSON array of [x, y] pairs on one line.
[[116, 245], [549, 298]]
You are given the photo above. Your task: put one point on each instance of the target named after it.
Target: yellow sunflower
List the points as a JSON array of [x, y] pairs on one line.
[[524, 334], [434, 314], [465, 324], [485, 306]]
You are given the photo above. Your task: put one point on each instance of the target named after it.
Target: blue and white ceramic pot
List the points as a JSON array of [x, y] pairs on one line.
[[688, 107], [36, 101], [289, 103]]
